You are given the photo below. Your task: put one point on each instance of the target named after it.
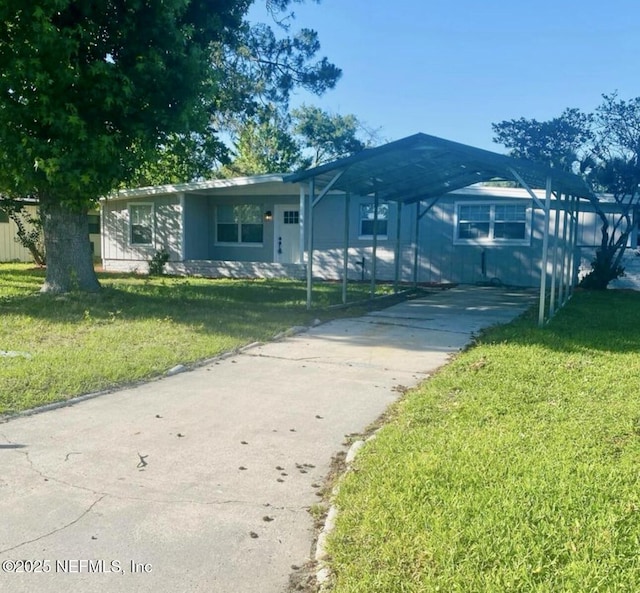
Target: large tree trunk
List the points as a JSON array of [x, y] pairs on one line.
[[68, 249]]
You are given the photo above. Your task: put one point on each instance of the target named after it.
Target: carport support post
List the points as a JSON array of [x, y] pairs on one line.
[[565, 250], [575, 220], [376, 203], [545, 253], [345, 263], [397, 253], [554, 265], [309, 221], [416, 246]]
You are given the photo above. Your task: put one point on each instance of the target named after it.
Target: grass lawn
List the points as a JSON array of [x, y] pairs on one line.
[[515, 468], [135, 328]]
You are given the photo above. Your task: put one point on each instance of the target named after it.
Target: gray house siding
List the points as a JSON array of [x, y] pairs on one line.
[[448, 251], [196, 221], [117, 240], [441, 260], [186, 225]]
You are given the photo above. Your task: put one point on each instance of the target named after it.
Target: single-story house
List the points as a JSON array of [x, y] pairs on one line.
[[251, 226], [421, 209]]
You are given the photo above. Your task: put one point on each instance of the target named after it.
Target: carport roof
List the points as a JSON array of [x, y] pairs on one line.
[[420, 167]]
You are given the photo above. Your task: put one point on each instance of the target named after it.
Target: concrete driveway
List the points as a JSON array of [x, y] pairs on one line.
[[202, 481]]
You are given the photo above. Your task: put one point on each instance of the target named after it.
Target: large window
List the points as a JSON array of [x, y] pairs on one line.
[[367, 220], [240, 224], [4, 217], [141, 221], [492, 223]]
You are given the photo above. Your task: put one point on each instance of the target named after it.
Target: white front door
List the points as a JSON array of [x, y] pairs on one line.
[[286, 234]]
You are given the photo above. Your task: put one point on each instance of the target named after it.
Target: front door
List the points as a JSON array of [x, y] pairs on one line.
[[286, 235]]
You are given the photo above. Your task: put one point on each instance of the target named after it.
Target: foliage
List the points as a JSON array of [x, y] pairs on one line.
[[265, 144], [512, 469], [276, 141], [182, 158], [261, 68], [604, 147], [559, 142], [157, 262], [91, 93], [83, 83], [328, 136]]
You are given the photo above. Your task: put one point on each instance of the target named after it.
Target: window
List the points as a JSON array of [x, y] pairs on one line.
[[367, 219], [94, 224], [291, 217], [239, 224], [474, 222], [141, 220], [492, 223], [4, 217]]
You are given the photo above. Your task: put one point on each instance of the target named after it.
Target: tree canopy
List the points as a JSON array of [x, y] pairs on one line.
[[92, 92], [265, 144], [604, 147], [275, 140]]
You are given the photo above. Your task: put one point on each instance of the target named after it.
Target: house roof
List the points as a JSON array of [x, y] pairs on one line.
[[420, 167], [199, 186]]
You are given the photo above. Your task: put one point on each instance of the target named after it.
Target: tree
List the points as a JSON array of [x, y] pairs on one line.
[[328, 136], [615, 169], [603, 147], [265, 144], [559, 142], [91, 92], [276, 141], [182, 158]]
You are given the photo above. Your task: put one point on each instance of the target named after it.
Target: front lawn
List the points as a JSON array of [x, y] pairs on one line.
[[515, 468], [53, 348]]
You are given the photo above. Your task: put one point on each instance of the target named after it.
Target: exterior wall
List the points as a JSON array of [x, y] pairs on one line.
[[442, 257], [197, 225], [200, 235], [329, 238], [116, 243], [259, 252], [444, 261], [10, 249]]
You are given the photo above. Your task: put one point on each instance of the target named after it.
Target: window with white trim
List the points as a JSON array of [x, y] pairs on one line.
[[240, 225], [141, 224], [499, 223], [367, 220]]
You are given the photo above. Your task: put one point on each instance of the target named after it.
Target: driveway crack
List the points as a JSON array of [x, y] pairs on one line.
[[57, 530]]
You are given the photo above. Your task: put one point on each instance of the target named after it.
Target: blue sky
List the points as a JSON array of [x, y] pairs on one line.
[[452, 68]]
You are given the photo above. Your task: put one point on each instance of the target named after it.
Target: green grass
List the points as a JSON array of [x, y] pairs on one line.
[[515, 468], [136, 328]]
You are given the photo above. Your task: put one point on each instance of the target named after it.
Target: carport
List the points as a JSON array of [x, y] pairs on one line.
[[417, 170]]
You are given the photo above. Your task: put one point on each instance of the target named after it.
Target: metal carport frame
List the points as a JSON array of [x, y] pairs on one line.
[[422, 168]]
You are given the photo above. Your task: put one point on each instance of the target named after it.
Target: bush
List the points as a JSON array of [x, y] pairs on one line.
[[157, 262]]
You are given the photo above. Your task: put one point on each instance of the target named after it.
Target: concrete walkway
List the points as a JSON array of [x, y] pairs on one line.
[[201, 482]]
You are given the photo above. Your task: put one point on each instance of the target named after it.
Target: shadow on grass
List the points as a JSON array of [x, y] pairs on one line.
[[204, 303]]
